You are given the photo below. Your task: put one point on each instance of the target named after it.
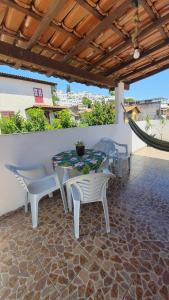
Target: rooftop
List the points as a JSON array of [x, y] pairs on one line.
[[48, 107], [132, 262], [129, 108], [86, 41], [18, 77]]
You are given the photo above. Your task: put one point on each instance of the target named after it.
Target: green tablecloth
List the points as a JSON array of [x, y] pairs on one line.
[[86, 163]]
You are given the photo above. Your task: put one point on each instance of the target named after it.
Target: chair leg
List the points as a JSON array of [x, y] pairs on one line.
[[26, 202], [34, 210], [76, 218], [129, 163], [63, 198], [69, 197], [106, 214], [120, 167], [50, 195]]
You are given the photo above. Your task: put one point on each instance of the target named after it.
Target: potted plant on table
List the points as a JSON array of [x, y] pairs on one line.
[[80, 148]]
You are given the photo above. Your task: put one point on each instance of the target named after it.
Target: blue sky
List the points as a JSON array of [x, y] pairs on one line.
[[151, 87]]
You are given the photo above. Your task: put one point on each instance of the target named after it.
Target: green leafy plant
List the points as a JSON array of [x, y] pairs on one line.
[[102, 113], [86, 169], [129, 100], [36, 120], [13, 124], [163, 122], [68, 88], [55, 99], [65, 118], [86, 101], [148, 125], [79, 143], [111, 93]]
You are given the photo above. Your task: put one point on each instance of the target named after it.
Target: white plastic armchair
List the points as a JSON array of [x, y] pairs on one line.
[[121, 154], [107, 146], [86, 189], [37, 184]]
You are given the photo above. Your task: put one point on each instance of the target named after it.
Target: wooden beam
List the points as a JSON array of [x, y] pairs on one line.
[[128, 42], [163, 68], [113, 15], [132, 60], [46, 20], [25, 56], [30, 13], [144, 68], [90, 9], [95, 13], [152, 16]]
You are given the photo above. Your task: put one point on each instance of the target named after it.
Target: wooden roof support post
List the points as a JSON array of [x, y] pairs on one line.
[[119, 101]]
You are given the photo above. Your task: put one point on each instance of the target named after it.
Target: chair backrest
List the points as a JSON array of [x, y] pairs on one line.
[[90, 187], [106, 145], [25, 175]]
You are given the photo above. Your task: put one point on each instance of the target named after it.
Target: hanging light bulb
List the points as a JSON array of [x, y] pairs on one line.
[[136, 21], [136, 53]]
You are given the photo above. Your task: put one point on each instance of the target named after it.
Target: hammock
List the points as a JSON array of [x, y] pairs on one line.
[[149, 140]]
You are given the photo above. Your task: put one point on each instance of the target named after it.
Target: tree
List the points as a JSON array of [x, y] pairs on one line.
[[163, 122], [148, 125], [129, 100], [112, 93], [86, 101], [36, 120], [56, 124], [55, 99], [68, 88], [14, 124], [65, 118], [102, 113]]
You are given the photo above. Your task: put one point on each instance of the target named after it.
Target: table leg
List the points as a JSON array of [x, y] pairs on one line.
[[66, 177]]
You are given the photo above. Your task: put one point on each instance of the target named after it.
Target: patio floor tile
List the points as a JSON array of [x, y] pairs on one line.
[[130, 263]]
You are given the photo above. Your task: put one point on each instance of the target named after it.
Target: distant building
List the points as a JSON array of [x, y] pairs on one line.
[[18, 93], [154, 108], [131, 111], [76, 98]]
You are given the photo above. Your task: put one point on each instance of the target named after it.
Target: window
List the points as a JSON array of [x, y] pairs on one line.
[[38, 94], [7, 113]]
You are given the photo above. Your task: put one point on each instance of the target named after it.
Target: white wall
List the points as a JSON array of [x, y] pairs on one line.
[[18, 95], [136, 142], [160, 131], [27, 149]]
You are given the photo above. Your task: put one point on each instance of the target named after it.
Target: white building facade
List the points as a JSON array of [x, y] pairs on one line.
[[75, 98], [19, 93]]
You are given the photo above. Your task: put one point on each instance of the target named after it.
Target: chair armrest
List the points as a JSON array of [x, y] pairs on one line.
[[70, 181], [41, 179], [123, 145], [113, 154]]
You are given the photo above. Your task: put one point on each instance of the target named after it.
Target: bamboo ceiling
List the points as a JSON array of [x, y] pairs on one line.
[[85, 40]]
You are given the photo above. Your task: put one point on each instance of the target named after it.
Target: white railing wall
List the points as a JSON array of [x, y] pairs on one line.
[[136, 142], [158, 129], [27, 149]]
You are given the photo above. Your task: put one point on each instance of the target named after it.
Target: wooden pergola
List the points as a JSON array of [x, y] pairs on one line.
[[88, 41]]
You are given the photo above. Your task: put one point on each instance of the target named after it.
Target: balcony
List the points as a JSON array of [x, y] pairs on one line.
[[131, 262]]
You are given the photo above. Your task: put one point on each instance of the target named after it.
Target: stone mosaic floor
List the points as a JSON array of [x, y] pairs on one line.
[[130, 263]]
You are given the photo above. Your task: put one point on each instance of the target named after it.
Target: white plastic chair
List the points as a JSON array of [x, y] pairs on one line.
[[105, 145], [120, 156], [116, 153], [86, 189], [37, 185]]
